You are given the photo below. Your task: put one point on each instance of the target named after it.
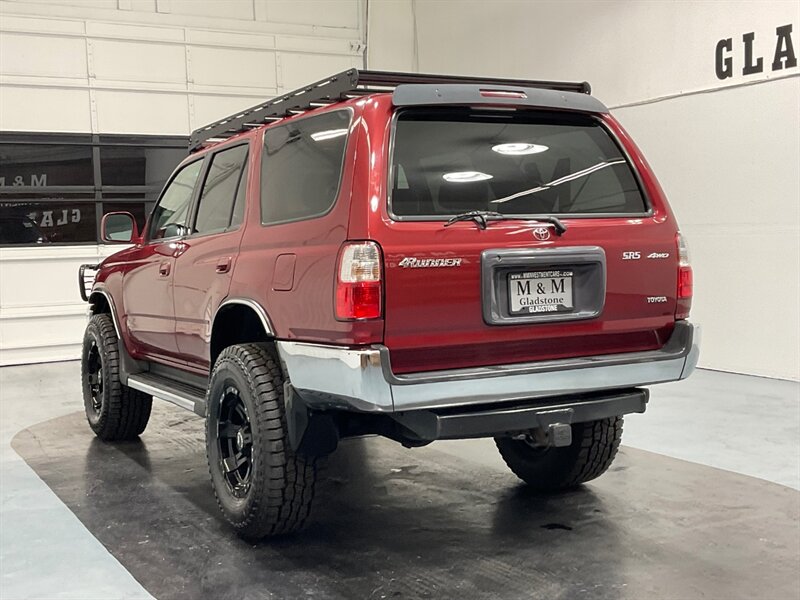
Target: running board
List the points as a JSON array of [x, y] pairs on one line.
[[180, 394]]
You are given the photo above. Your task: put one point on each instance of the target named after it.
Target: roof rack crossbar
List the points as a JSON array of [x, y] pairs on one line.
[[350, 84]]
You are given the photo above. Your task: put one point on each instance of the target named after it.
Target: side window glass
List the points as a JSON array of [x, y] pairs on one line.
[[241, 194], [302, 166], [219, 192], [170, 215]]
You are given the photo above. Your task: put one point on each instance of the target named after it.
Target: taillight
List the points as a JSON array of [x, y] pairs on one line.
[[358, 282], [685, 279]]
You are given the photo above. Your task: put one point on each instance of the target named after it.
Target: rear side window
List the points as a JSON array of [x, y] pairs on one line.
[[520, 163], [302, 167], [220, 190]]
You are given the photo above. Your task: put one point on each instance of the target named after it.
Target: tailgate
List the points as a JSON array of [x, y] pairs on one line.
[[461, 295], [446, 317]]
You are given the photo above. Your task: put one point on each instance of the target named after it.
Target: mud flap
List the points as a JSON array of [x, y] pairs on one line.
[[311, 433]]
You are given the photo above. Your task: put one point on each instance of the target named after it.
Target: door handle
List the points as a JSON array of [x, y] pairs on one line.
[[224, 265], [163, 269]]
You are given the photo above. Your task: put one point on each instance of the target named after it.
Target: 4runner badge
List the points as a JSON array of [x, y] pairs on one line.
[[417, 263], [541, 233]]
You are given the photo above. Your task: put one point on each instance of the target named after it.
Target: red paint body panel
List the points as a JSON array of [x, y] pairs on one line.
[[147, 298], [199, 289], [432, 317]]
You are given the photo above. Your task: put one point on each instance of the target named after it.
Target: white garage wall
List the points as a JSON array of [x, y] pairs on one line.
[[727, 152], [164, 66], [141, 67]]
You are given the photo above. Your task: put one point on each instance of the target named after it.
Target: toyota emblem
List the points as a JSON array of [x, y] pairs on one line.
[[541, 233]]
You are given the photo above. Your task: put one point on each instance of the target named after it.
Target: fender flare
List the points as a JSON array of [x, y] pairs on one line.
[[112, 306], [250, 303]]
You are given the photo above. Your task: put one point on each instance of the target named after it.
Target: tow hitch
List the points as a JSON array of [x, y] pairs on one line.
[[554, 435]]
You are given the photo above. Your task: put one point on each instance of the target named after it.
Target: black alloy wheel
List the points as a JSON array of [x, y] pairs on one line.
[[94, 380], [235, 442]]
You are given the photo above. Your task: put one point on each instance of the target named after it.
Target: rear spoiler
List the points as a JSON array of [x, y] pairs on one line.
[[471, 95]]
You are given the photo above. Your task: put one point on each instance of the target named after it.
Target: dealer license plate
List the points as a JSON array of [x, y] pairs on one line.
[[540, 292]]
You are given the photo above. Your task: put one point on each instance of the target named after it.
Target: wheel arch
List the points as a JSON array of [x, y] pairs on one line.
[[100, 302], [239, 321]]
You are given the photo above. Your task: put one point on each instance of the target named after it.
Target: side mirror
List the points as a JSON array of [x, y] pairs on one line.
[[119, 228]]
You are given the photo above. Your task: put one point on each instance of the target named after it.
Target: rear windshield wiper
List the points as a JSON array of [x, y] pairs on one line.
[[479, 216], [482, 217]]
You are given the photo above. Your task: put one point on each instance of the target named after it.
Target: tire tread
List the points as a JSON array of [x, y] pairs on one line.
[[126, 411], [594, 447], [285, 481]]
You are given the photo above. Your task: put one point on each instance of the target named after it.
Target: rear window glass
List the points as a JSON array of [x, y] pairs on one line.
[[446, 163], [301, 167]]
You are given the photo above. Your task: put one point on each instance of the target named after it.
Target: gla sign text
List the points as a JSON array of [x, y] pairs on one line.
[[783, 57]]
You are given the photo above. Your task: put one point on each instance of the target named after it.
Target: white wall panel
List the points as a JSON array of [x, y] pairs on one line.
[[298, 69], [142, 112], [42, 56], [289, 43], [738, 201], [331, 13], [212, 108], [391, 36], [630, 50], [137, 5], [42, 317], [141, 62], [110, 4], [136, 32], [229, 39], [44, 109], [38, 25], [57, 60], [233, 67], [230, 9]]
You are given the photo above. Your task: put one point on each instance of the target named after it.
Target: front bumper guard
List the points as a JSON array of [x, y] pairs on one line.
[[335, 377]]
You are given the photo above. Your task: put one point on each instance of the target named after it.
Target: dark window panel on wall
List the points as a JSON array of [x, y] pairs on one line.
[[138, 165], [43, 219], [53, 191], [54, 187], [45, 165]]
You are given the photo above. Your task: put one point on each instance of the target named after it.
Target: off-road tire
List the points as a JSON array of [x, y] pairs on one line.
[[277, 500], [114, 411], [594, 446]]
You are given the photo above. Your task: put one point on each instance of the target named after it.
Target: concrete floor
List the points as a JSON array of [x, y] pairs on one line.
[[748, 425], [742, 424]]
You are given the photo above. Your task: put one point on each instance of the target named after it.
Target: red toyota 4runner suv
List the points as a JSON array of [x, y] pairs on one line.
[[415, 256]]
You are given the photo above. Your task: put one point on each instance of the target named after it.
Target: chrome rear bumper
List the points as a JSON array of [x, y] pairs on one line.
[[362, 379]]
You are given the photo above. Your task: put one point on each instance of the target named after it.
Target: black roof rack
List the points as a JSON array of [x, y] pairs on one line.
[[349, 84]]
